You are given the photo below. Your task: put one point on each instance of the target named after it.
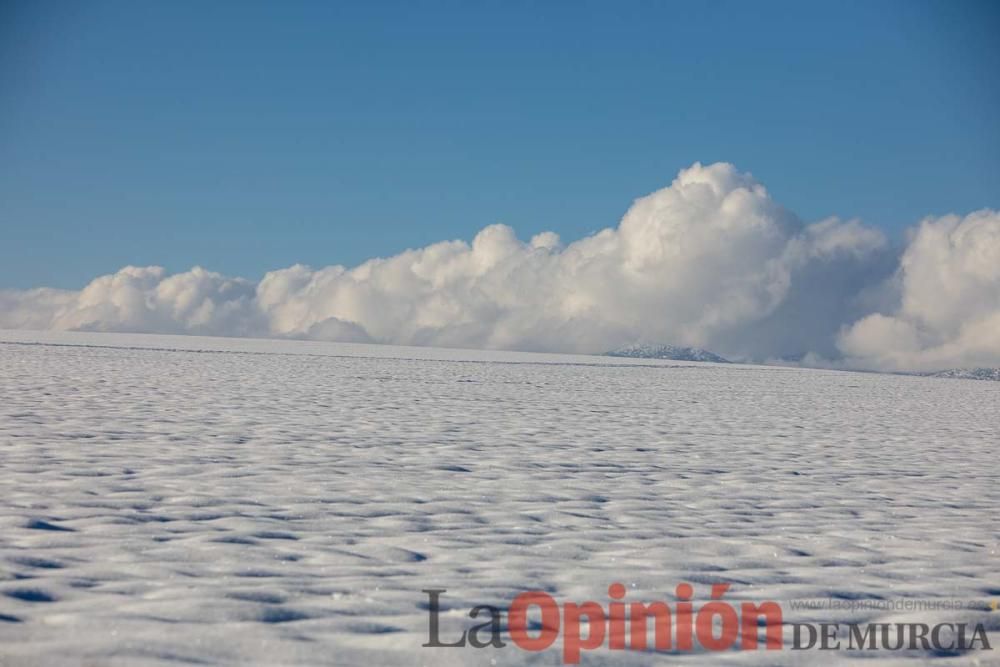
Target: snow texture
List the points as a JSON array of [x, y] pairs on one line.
[[181, 500]]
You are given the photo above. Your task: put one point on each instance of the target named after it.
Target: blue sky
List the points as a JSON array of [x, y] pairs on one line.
[[245, 137]]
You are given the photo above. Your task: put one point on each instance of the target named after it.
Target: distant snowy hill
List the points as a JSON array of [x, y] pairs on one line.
[[652, 351], [969, 374]]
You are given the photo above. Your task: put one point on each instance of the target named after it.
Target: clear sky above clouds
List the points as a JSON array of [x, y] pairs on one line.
[[246, 137]]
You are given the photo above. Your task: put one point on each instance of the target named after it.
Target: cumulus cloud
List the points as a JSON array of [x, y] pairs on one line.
[[142, 300], [947, 311], [711, 261], [692, 264]]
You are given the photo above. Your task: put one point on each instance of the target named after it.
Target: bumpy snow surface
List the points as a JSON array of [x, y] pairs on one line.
[[178, 500]]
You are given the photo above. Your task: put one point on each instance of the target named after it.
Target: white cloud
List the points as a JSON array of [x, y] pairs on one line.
[[710, 260], [690, 264], [948, 301], [141, 299], [33, 308]]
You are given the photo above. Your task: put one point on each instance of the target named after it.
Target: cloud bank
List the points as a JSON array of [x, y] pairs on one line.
[[709, 261], [947, 294]]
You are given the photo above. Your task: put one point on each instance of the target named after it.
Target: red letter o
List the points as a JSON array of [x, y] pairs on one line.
[[517, 620]]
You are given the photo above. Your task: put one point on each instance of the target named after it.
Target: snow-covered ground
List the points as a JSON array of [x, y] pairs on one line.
[[173, 500]]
